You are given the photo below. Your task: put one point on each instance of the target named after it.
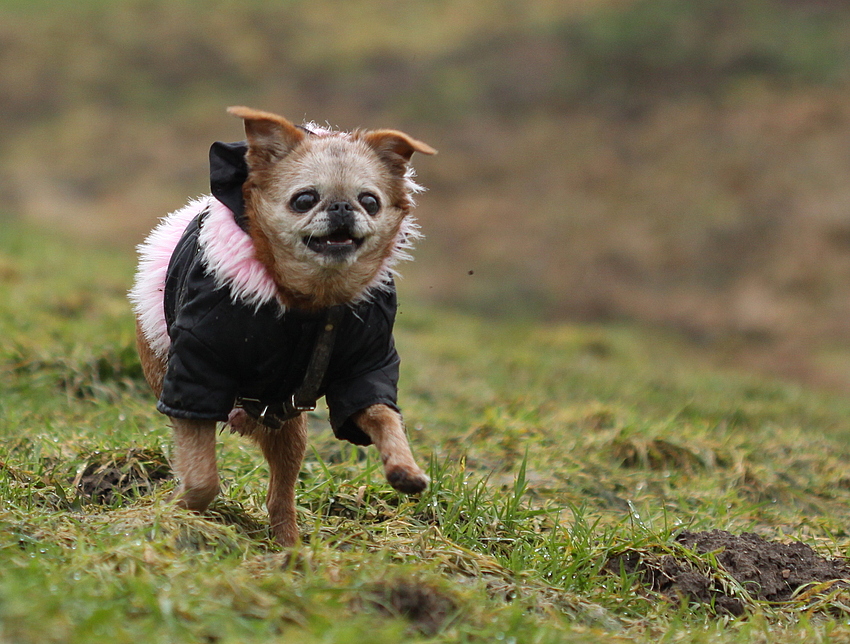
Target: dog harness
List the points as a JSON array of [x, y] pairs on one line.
[[273, 363]]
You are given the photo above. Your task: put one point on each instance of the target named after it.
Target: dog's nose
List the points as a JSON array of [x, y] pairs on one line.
[[341, 214], [340, 208]]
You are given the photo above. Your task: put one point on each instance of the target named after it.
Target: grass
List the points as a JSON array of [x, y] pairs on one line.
[[552, 448]]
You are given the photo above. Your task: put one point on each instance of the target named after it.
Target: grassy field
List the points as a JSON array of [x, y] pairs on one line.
[[557, 452]]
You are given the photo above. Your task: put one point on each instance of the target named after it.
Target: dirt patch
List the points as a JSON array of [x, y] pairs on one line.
[[765, 570], [427, 608], [111, 478], [657, 454]]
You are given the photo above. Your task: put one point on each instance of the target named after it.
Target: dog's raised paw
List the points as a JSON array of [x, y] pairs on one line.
[[407, 481]]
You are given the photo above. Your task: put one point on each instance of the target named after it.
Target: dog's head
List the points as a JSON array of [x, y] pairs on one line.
[[326, 210]]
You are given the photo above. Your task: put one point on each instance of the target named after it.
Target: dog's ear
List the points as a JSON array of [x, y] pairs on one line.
[[270, 137], [394, 147]]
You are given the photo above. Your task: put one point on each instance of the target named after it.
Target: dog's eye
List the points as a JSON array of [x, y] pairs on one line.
[[304, 200], [370, 203]]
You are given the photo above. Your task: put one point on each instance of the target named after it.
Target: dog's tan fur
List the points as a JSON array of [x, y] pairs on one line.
[[282, 160], [342, 165]]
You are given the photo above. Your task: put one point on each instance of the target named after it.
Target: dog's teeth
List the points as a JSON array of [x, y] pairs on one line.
[[336, 240]]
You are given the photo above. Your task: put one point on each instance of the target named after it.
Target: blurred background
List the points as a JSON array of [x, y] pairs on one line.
[[683, 163]]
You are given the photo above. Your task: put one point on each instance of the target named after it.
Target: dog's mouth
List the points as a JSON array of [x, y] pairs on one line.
[[338, 242]]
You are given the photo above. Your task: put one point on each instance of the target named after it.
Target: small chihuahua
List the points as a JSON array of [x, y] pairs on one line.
[[276, 290]]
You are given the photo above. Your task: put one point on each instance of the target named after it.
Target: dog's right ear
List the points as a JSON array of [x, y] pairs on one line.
[[270, 137]]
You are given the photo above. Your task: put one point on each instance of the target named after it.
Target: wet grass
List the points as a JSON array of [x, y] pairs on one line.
[[554, 451]]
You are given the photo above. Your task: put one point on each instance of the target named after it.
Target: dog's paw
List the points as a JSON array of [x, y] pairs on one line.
[[286, 535], [407, 480], [196, 499]]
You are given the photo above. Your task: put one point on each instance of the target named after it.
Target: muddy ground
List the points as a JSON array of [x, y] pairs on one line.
[[748, 567], [763, 570]]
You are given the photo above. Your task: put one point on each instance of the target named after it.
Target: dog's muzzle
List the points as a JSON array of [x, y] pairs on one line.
[[341, 240]]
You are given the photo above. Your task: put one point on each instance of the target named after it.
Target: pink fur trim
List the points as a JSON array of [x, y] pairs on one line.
[[229, 253], [149, 286]]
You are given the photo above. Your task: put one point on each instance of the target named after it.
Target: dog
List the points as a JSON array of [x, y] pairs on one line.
[[275, 290]]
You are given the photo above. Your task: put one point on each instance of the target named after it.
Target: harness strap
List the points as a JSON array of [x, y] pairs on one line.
[[305, 396]]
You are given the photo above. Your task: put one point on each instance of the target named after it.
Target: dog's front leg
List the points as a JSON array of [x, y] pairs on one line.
[[194, 463], [284, 450], [384, 426]]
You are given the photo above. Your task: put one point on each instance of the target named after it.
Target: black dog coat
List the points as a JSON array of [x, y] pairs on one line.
[[223, 350]]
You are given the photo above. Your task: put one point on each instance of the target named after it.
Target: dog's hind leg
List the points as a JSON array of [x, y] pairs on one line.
[[153, 366], [284, 450], [194, 463], [384, 426]]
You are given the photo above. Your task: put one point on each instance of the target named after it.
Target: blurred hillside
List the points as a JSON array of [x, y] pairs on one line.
[[667, 161]]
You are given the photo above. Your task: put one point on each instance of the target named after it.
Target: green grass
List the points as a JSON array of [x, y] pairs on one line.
[[551, 448]]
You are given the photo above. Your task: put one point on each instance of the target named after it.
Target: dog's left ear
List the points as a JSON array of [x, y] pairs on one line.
[[394, 147], [270, 137]]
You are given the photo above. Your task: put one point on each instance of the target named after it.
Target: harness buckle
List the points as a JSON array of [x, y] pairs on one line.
[[299, 407]]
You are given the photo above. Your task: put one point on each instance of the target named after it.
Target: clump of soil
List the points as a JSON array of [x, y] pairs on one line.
[[767, 570], [109, 478], [427, 608]]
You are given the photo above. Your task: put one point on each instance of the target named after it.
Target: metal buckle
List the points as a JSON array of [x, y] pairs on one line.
[[239, 403], [262, 416], [294, 406]]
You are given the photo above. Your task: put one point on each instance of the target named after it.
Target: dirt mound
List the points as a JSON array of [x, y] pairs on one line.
[[765, 570], [110, 478], [426, 608]]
